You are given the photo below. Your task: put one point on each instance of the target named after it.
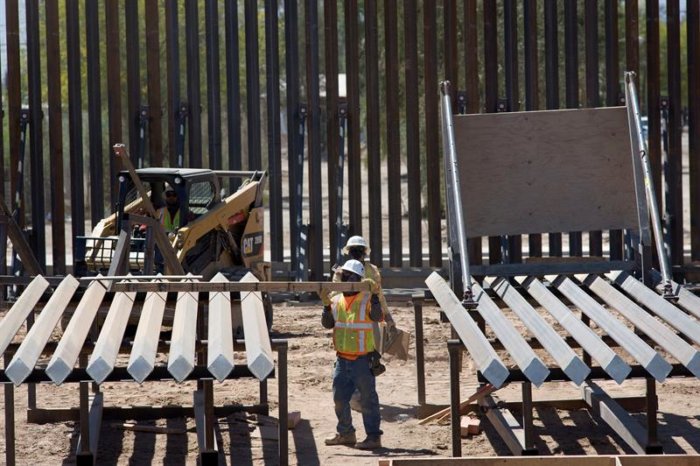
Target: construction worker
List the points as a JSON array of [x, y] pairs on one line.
[[169, 214], [353, 316], [358, 249]]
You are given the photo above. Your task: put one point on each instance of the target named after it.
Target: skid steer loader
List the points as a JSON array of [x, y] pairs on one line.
[[214, 232]]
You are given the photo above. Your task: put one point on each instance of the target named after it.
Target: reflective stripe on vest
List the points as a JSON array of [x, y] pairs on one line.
[[353, 331]]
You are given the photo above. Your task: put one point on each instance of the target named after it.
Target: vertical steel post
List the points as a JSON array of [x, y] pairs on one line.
[[282, 406], [274, 149], [211, 21], [455, 347], [420, 355]]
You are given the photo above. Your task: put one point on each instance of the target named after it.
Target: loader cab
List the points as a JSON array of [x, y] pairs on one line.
[[197, 190]]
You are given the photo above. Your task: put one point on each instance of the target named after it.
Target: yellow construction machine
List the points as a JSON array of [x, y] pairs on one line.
[[214, 232]]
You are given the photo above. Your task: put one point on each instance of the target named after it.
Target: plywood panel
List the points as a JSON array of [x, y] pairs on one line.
[[545, 171]]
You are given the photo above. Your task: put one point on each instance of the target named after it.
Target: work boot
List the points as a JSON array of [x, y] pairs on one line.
[[370, 443], [342, 439]]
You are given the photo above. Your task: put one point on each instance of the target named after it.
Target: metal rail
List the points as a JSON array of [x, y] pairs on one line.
[[639, 148], [453, 180]]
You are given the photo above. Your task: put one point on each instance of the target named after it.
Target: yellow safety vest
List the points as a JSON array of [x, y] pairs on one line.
[[170, 224], [353, 334]]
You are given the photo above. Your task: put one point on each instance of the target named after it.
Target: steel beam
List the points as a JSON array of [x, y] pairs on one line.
[[143, 354], [524, 356], [29, 351], [68, 349], [587, 338], [181, 359], [485, 357], [615, 416], [506, 425], [257, 338], [675, 317], [642, 320], [562, 353], [632, 343], [220, 332], [104, 356], [19, 311]]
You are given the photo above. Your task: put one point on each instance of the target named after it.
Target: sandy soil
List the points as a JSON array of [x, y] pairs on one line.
[[242, 441]]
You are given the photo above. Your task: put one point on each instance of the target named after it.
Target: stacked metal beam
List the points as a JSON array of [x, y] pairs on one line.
[[627, 305]]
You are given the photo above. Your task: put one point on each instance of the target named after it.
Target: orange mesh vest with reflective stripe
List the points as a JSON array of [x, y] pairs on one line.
[[353, 334]]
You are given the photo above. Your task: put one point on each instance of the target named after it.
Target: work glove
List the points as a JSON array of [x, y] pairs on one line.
[[373, 287], [325, 298]]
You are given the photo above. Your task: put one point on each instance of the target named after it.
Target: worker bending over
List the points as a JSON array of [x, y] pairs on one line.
[[353, 317]]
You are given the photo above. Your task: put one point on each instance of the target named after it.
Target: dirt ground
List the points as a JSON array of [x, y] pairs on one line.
[[242, 441]]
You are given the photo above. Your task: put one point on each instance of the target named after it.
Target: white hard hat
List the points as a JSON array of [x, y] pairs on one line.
[[356, 242], [355, 267]]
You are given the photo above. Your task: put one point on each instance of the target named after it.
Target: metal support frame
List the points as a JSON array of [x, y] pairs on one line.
[[455, 347], [418, 301], [91, 410]]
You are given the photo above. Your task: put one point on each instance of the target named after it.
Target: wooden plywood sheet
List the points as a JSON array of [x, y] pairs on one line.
[[545, 171]]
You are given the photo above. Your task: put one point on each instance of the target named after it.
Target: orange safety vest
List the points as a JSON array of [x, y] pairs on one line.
[[353, 333]]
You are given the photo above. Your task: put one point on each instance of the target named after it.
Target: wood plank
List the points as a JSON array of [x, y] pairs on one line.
[[104, 356], [588, 149], [562, 353], [675, 317], [181, 359], [617, 418], [587, 338], [227, 286], [143, 353], [257, 339], [20, 310], [485, 357], [68, 349], [29, 351], [635, 346], [220, 332], [665, 337], [531, 365]]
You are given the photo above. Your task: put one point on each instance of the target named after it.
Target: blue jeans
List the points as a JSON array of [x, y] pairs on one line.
[[347, 376]]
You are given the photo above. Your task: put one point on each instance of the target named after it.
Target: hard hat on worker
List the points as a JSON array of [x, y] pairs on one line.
[[355, 267], [356, 242]]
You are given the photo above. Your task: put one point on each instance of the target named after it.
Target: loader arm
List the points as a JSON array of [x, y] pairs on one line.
[[218, 217], [161, 238]]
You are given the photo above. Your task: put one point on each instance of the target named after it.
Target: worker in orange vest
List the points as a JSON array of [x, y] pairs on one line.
[[353, 317]]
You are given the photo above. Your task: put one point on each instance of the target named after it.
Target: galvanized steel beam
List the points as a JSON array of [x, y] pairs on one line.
[[104, 356], [220, 332], [257, 338], [524, 357], [486, 359], [29, 351], [143, 354], [589, 340], [642, 320], [68, 349], [20, 310], [572, 365], [638, 349]]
